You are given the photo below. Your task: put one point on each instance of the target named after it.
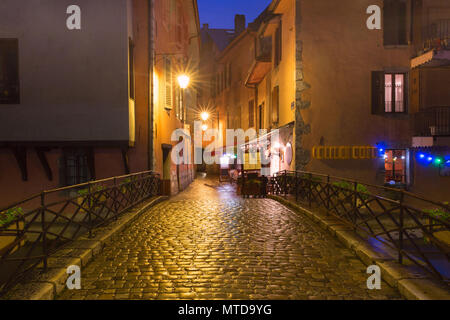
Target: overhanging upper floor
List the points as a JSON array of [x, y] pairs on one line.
[[62, 85]]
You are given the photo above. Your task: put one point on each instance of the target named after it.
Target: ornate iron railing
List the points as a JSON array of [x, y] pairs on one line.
[[437, 35], [414, 227], [434, 121], [33, 229]]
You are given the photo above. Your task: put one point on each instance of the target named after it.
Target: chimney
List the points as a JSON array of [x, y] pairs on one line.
[[239, 23], [205, 26]]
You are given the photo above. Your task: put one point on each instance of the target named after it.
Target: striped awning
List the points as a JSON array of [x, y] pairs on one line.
[[431, 142], [432, 58]]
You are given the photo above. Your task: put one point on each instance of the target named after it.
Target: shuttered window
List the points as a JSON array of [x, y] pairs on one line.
[[389, 92], [275, 104], [278, 45], [77, 166], [394, 20], [131, 68], [178, 111], [9, 71], [251, 113], [168, 83], [229, 75], [261, 116]]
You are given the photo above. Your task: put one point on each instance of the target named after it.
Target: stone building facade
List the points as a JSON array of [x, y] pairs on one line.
[[351, 100], [83, 104]]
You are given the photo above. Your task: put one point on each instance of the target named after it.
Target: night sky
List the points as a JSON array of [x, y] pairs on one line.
[[220, 13]]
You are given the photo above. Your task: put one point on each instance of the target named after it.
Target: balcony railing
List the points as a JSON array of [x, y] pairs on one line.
[[437, 35], [434, 121]]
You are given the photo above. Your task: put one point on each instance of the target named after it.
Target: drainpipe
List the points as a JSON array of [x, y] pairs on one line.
[[411, 29], [256, 110], [150, 84]]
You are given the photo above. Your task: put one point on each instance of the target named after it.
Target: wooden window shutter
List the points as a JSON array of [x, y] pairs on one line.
[[276, 104], [131, 68], [168, 83], [261, 116], [229, 75], [251, 113], [401, 14], [377, 92], [394, 22], [280, 42], [414, 101], [406, 92], [278, 45]]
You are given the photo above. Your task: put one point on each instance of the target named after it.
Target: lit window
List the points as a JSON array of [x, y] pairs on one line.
[[395, 166], [394, 93], [168, 83]]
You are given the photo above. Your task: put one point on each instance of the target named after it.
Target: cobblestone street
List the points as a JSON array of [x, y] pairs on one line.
[[208, 243]]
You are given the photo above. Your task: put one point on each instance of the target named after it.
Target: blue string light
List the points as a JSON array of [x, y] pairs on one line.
[[427, 159], [381, 149], [421, 157]]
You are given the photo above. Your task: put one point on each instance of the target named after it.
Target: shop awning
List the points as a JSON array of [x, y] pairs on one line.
[[432, 58], [428, 142], [266, 136]]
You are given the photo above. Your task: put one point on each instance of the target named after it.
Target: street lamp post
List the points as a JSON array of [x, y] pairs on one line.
[[183, 82], [204, 116]]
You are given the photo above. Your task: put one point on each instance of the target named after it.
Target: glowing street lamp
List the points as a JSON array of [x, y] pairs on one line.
[[183, 81], [204, 115]]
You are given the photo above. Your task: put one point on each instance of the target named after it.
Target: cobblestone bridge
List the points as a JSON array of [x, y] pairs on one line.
[[208, 243]]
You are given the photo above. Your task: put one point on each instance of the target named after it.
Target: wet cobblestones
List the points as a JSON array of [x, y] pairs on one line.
[[209, 244]]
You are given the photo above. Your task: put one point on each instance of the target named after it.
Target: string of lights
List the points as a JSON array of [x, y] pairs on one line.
[[424, 158]]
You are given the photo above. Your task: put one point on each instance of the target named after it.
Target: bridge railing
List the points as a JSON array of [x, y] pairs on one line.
[[32, 229], [417, 229]]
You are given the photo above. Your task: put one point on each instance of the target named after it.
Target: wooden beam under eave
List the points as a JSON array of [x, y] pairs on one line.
[[91, 163], [20, 153], [44, 162], [126, 163]]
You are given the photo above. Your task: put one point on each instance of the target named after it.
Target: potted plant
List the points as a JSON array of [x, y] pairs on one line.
[[252, 187], [440, 213], [239, 185], [361, 189], [90, 204], [345, 186], [10, 220], [125, 187]]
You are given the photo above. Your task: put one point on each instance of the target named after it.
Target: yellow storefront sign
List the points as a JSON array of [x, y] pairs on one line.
[[344, 152]]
